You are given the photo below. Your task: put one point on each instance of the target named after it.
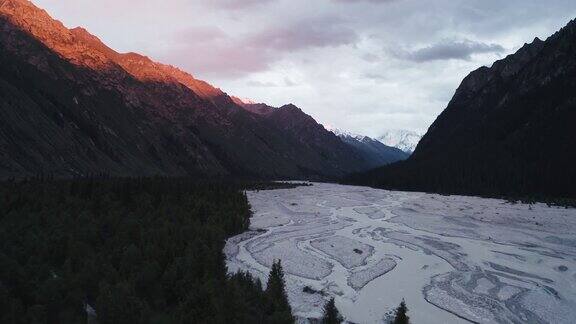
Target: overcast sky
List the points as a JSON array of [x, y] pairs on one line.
[[360, 65]]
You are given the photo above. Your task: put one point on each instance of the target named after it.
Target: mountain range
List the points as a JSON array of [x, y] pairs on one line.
[[72, 106], [508, 130], [374, 151]]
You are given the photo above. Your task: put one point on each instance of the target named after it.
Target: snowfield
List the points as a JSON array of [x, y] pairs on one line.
[[454, 259]]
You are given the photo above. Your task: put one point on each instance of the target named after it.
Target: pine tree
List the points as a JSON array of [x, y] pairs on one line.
[[331, 313], [279, 310], [401, 317]]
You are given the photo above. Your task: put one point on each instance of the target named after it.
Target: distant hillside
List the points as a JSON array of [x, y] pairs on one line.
[[508, 130]]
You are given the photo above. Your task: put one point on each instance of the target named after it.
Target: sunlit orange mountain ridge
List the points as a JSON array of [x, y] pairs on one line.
[[72, 106]]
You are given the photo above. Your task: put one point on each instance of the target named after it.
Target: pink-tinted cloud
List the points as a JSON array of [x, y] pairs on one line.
[[221, 59], [210, 51], [201, 34]]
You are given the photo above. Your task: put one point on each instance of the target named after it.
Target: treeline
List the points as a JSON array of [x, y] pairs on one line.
[[126, 251], [494, 175]]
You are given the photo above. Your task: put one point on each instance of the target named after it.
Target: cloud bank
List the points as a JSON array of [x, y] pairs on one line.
[[448, 50]]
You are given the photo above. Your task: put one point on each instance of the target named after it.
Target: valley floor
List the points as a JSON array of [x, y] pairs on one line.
[[454, 259]]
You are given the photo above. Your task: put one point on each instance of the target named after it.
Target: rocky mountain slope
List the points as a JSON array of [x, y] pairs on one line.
[[72, 106], [508, 130], [372, 150]]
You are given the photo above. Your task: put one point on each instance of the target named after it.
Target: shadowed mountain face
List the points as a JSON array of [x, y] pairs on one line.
[[509, 129], [299, 125], [72, 106], [377, 153]]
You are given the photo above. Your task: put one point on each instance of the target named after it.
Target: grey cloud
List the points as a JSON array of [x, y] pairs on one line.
[[267, 84], [236, 4], [447, 50], [261, 84], [322, 32], [289, 83], [375, 76], [358, 1], [369, 57]]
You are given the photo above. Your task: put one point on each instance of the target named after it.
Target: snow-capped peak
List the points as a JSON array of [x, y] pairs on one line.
[[342, 133], [403, 139]]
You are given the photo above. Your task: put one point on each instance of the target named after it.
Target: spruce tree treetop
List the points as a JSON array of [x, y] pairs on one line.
[[401, 316], [275, 284], [279, 309], [331, 313]]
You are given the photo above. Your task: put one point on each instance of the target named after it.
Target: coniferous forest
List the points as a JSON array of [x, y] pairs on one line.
[[127, 250]]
